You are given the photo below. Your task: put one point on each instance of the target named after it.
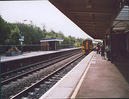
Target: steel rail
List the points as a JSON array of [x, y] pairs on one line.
[[36, 69], [29, 89], [30, 65]]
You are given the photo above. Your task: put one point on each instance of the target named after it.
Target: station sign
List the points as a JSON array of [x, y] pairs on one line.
[[21, 39]]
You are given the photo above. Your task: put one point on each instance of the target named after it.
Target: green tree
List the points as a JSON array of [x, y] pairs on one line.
[[60, 35], [13, 36], [4, 31], [10, 34], [32, 34]]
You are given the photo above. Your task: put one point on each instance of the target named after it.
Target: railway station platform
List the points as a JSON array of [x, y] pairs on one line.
[[104, 80], [31, 54], [93, 77]]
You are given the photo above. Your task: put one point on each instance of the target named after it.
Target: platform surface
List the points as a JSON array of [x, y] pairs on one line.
[[31, 54], [104, 80], [94, 77]]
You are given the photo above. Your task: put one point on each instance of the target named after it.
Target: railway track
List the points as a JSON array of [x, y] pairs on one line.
[[24, 71], [40, 87], [19, 84]]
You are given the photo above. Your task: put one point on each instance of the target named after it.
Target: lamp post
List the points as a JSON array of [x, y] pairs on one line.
[[21, 42], [21, 39]]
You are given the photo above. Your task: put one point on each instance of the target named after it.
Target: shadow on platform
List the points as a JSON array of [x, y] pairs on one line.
[[122, 63]]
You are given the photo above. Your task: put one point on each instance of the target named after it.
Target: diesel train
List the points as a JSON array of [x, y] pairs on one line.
[[87, 46]]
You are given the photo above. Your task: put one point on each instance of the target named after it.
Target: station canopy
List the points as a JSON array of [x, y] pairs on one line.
[[121, 23], [94, 17], [51, 40]]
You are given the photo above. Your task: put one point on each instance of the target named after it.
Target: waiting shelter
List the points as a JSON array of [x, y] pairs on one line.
[[48, 44]]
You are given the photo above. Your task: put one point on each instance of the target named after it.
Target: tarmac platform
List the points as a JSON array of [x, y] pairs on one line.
[[103, 80], [31, 54], [93, 77]]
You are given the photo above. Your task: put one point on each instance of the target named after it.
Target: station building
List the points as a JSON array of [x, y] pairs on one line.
[[49, 43]]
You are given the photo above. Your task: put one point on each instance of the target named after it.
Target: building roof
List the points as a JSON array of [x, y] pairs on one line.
[[121, 23], [95, 17], [51, 39]]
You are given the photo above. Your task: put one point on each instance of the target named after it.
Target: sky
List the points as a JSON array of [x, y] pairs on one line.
[[40, 13]]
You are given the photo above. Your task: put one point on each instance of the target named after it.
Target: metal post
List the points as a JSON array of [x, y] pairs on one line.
[[21, 40], [111, 58]]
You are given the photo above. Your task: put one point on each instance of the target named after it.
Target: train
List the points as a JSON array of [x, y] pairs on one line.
[[87, 46]]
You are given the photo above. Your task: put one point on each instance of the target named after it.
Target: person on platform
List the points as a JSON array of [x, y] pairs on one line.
[[102, 50], [108, 53], [98, 49]]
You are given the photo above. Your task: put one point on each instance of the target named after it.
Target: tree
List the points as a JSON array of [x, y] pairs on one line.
[[4, 31], [32, 34], [11, 33], [13, 36], [60, 35]]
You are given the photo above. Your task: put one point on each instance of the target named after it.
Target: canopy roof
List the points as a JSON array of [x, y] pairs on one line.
[[95, 17], [51, 39], [121, 23]]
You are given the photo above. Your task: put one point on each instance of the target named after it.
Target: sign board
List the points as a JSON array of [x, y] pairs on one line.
[[21, 40]]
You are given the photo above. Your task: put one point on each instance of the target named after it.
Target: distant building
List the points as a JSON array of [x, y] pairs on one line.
[[49, 43]]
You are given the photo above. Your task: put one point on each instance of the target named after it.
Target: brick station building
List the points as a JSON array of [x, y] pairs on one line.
[[49, 43]]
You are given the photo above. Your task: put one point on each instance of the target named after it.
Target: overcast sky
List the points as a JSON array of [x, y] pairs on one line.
[[40, 13]]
